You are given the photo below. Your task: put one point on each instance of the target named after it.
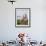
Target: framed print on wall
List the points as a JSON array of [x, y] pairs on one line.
[[22, 17]]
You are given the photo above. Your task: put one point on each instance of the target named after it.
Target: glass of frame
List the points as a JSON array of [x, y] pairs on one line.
[[22, 17]]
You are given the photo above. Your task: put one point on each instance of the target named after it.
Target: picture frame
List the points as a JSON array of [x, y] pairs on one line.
[[22, 17]]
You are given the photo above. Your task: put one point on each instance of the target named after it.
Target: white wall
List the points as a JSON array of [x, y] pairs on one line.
[[8, 31]]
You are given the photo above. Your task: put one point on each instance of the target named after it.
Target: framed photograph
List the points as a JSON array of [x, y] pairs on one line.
[[22, 17]]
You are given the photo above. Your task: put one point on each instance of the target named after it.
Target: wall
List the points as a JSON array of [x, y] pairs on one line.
[[8, 31]]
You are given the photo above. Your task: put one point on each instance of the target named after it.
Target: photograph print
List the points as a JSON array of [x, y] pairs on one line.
[[22, 17]]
